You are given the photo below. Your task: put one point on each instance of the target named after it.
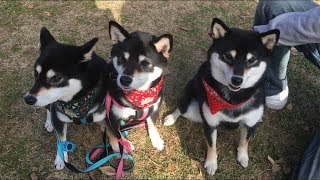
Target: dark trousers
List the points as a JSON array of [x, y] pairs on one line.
[[277, 73], [309, 167]]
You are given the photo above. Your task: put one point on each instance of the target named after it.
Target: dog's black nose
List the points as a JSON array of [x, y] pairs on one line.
[[30, 99], [125, 80], [237, 81]]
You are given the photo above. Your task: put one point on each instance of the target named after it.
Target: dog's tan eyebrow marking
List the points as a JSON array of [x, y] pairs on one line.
[[126, 55], [141, 58], [41, 90], [38, 69], [249, 56], [233, 53], [50, 73]]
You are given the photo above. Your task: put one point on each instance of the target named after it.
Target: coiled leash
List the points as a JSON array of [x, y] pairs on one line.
[[118, 134], [92, 154], [109, 157]]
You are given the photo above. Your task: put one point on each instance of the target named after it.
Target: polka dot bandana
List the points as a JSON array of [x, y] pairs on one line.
[[144, 99], [215, 102]]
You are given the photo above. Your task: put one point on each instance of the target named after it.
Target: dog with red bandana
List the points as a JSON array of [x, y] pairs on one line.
[[139, 62], [229, 87]]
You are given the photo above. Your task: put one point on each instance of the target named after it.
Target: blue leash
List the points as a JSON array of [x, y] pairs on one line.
[[64, 146], [68, 146]]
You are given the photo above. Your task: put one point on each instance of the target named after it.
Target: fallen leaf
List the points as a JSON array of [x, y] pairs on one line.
[[279, 161], [108, 170], [24, 65], [286, 169], [127, 175], [271, 160], [170, 167], [290, 106], [34, 176], [276, 168], [185, 28], [30, 6], [34, 169], [264, 176], [47, 13], [196, 164]]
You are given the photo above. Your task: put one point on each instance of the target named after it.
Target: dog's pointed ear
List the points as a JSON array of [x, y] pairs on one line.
[[87, 49], [45, 38], [117, 33], [218, 28], [270, 38], [164, 44]]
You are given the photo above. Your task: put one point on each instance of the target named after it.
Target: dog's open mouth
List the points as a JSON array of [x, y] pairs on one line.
[[234, 88]]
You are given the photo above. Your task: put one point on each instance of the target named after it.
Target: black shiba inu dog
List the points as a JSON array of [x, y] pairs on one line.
[[139, 62], [71, 82], [229, 87]]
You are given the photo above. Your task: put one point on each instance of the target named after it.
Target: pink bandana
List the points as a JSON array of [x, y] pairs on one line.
[[215, 102], [145, 98]]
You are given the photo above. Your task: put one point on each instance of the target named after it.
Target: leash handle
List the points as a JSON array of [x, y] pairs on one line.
[[98, 163]]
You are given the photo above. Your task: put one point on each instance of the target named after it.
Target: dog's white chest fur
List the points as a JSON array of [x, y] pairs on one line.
[[126, 112], [123, 112], [250, 118]]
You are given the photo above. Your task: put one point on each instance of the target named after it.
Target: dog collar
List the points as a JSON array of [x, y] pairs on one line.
[[215, 102], [78, 109], [144, 99]]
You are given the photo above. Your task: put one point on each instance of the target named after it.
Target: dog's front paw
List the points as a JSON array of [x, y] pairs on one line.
[[211, 166], [158, 143], [243, 158], [59, 164], [156, 140], [169, 120], [48, 125]]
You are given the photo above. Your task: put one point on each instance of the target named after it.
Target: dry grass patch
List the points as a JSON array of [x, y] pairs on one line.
[[27, 149]]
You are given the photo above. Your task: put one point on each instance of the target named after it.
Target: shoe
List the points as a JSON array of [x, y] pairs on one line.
[[278, 101]]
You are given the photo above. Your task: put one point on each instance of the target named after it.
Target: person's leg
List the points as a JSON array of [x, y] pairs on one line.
[[277, 88], [309, 167], [311, 52]]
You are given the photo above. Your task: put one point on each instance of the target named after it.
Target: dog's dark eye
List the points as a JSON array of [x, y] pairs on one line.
[[251, 61], [55, 79], [144, 63], [227, 57], [121, 60]]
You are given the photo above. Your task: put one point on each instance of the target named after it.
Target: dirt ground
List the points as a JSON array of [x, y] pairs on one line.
[[28, 151]]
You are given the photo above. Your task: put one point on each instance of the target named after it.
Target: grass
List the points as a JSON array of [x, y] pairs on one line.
[[27, 150]]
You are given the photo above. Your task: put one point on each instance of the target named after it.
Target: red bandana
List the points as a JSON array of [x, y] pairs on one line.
[[215, 102], [145, 98]]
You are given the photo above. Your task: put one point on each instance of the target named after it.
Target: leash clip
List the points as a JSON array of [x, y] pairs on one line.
[[66, 146]]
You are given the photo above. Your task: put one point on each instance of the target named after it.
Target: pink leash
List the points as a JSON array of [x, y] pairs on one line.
[[125, 144], [120, 166]]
